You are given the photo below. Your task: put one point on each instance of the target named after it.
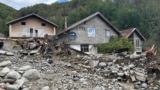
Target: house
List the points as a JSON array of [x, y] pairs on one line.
[[86, 33], [31, 25], [135, 36]]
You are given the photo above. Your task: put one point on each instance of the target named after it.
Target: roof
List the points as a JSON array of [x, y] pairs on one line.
[[128, 32], [30, 15], [88, 18]]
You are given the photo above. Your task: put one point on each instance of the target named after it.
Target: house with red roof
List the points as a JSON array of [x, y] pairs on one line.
[[134, 35]]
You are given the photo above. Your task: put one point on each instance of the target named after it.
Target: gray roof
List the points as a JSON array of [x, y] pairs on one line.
[[88, 18], [30, 15]]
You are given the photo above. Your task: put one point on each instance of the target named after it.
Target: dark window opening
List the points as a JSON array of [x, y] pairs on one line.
[[85, 48], [43, 24], [36, 31], [23, 23], [31, 32]]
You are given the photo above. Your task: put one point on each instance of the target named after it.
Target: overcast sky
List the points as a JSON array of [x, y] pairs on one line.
[[17, 4]]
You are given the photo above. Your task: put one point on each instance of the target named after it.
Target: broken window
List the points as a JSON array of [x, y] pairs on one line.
[[91, 32], [85, 48]]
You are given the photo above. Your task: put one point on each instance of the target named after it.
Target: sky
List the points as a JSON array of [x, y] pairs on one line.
[[18, 4]]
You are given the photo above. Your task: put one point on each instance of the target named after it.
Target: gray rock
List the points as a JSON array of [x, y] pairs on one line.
[[5, 70], [5, 63], [45, 88], [140, 78], [13, 75], [133, 78], [2, 52], [102, 64], [99, 88], [32, 74], [93, 63], [120, 74], [9, 54], [144, 85], [24, 68]]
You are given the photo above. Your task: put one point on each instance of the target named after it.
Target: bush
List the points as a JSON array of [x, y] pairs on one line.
[[115, 44]]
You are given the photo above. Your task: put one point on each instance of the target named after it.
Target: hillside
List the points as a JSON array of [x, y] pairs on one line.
[[122, 13]]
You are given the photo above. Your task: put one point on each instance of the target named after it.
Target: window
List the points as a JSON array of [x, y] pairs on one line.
[[85, 48], [107, 33], [23, 23], [137, 43], [91, 32], [36, 33], [31, 32], [43, 24]]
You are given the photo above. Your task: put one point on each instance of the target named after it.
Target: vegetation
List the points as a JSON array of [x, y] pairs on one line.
[[123, 14], [115, 44]]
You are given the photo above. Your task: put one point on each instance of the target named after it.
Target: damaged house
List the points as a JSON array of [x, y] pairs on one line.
[[31, 25], [135, 37], [86, 33]]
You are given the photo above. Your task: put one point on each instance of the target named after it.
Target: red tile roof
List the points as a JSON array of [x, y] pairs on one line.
[[127, 32]]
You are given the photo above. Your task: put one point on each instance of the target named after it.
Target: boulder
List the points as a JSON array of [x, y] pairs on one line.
[[13, 75], [102, 64], [93, 63], [99, 88], [5, 70], [45, 88], [32, 74], [5, 63], [9, 53], [24, 68], [2, 52]]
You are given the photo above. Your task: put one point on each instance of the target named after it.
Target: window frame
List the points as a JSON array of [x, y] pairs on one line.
[[91, 33], [107, 33], [84, 47]]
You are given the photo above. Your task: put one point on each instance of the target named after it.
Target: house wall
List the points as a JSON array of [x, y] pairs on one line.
[[82, 35], [92, 48], [18, 30], [136, 37]]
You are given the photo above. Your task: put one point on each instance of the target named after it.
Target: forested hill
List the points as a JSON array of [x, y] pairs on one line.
[[124, 14]]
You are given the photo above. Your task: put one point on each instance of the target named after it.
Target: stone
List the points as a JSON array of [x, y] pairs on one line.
[[99, 88], [133, 78], [93, 63], [13, 75], [102, 64], [140, 78], [5, 70], [131, 66], [144, 85], [2, 52], [24, 68], [9, 54], [5, 63], [120, 74], [45, 88], [32, 74], [8, 80]]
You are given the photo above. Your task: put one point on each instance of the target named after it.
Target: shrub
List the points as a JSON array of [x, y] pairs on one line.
[[115, 44]]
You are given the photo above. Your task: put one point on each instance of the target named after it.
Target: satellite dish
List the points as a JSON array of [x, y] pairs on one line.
[[72, 36]]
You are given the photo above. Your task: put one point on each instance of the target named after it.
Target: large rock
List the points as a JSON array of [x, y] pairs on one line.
[[5, 63], [45, 88], [99, 88], [2, 52], [5, 70], [93, 63], [102, 64], [9, 54], [32, 74], [13, 75], [24, 68]]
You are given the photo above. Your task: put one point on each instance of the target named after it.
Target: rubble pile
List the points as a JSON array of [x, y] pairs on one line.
[[30, 68]]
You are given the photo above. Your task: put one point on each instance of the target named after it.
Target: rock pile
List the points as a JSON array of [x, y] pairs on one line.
[[13, 79]]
